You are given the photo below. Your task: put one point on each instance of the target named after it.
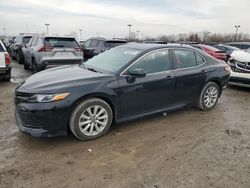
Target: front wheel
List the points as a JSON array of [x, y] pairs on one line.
[[91, 119], [209, 96]]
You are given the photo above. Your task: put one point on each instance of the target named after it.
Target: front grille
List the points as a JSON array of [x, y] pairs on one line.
[[27, 118], [243, 66]]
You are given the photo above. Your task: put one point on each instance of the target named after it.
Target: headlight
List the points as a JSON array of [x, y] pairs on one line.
[[47, 97]]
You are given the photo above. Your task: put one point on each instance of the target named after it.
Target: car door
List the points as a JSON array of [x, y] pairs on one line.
[[190, 75], [153, 92]]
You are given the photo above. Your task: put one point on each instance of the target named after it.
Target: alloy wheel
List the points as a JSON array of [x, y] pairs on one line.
[[211, 96], [93, 120]]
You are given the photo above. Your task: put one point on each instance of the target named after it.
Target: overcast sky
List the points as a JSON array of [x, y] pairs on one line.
[[110, 17]]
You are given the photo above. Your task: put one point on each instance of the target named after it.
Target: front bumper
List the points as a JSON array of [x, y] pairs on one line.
[[42, 120], [240, 79]]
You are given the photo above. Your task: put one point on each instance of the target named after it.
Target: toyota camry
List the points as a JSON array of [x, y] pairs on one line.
[[124, 83]]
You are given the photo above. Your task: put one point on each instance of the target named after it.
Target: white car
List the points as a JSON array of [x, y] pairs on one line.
[[240, 65], [5, 68]]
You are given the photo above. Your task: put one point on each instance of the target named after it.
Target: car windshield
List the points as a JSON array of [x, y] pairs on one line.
[[59, 42], [112, 44], [112, 60]]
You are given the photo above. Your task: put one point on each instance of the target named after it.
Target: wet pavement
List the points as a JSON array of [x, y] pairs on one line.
[[187, 148]]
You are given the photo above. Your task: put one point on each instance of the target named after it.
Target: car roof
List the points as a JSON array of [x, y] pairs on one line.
[[107, 39], [149, 46]]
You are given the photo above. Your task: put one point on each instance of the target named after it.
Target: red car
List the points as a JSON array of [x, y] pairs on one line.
[[218, 54]]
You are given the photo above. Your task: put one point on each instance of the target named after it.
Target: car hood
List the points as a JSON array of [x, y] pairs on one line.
[[241, 56], [52, 80]]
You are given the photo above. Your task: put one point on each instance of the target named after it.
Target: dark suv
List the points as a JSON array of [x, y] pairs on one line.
[[20, 41], [95, 46], [241, 45]]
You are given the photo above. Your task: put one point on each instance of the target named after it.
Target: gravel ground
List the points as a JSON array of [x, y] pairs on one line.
[[188, 148]]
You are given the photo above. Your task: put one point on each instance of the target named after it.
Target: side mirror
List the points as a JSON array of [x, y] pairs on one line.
[[138, 73], [26, 45]]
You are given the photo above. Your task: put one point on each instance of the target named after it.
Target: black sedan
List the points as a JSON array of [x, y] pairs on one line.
[[124, 83]]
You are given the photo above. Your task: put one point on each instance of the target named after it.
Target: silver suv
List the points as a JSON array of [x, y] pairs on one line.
[[49, 51]]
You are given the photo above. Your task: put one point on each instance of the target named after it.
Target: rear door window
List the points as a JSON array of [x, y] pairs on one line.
[[59, 42], [199, 59], [184, 58], [154, 62]]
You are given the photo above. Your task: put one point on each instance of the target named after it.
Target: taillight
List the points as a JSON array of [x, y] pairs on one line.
[[7, 58], [78, 49], [45, 49]]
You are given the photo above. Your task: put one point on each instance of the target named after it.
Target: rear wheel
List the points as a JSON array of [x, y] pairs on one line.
[[91, 119], [34, 66], [209, 96], [7, 77]]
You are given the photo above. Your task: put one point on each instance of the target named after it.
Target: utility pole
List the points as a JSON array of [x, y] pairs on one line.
[[4, 31], [47, 25], [138, 32], [237, 28], [80, 30], [129, 31]]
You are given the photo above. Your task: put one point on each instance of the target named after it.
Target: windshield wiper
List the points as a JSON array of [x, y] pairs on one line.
[[91, 69]]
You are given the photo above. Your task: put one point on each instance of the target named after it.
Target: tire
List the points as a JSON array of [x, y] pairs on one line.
[[34, 66], [209, 96], [26, 66], [90, 122], [7, 78]]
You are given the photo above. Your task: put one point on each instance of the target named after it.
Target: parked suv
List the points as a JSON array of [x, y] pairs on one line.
[[49, 51], [20, 41], [95, 46], [5, 68]]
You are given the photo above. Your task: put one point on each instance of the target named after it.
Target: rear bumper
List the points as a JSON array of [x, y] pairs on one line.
[[50, 63], [5, 71], [240, 79]]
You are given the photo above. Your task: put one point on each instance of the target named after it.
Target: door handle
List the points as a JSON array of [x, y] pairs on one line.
[[203, 71], [169, 77]]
